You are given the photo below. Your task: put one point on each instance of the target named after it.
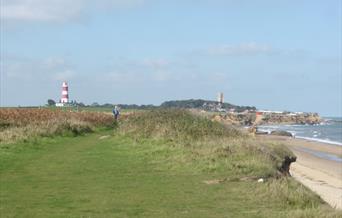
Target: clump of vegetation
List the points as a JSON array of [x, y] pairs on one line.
[[203, 104], [213, 146], [26, 124], [176, 124]]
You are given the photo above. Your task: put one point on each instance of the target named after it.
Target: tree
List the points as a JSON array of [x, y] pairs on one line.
[[51, 102], [81, 104], [95, 104]]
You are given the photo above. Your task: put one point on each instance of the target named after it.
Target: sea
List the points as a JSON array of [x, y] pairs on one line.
[[329, 131]]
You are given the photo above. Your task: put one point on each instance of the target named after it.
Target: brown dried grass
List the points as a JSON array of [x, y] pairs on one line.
[[19, 124]]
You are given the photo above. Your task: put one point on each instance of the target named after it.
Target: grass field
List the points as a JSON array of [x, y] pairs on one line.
[[157, 171]]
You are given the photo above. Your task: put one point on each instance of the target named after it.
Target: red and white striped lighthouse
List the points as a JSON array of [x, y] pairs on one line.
[[65, 93]]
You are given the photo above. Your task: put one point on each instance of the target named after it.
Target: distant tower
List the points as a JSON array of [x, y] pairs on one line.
[[65, 93], [220, 98]]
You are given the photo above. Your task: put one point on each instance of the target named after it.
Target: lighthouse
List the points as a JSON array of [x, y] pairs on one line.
[[65, 93]]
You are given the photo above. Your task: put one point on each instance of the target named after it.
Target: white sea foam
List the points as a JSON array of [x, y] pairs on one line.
[[327, 133], [265, 130], [320, 140]]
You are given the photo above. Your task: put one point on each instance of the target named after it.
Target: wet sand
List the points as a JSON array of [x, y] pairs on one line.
[[318, 166]]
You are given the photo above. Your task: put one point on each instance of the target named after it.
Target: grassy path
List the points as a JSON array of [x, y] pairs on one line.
[[114, 177]]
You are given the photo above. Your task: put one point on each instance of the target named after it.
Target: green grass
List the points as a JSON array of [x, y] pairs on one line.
[[118, 177], [156, 164]]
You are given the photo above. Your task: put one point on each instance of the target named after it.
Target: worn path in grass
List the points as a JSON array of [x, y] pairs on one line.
[[94, 176]]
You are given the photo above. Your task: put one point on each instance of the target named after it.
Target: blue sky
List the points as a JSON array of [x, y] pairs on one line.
[[281, 55]]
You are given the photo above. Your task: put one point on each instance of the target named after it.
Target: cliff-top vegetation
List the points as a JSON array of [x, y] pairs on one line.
[[159, 163]]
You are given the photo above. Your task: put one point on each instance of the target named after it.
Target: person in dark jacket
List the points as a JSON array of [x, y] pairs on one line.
[[116, 112]]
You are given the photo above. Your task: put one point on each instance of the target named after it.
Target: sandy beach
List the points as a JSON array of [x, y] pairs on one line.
[[318, 166]]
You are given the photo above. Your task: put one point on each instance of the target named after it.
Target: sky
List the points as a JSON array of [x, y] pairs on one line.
[[276, 55]]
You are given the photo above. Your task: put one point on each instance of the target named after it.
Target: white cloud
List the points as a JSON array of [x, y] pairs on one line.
[[57, 10], [53, 62], [243, 49], [41, 10], [64, 75], [163, 76], [146, 70], [124, 77], [155, 63], [26, 69]]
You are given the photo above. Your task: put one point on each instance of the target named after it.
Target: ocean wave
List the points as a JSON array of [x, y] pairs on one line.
[[330, 121], [320, 140], [265, 130], [269, 131]]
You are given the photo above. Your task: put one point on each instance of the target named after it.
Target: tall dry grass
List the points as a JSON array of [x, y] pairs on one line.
[[21, 124], [176, 124], [212, 145]]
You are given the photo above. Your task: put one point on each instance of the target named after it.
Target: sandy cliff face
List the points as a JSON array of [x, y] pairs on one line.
[[236, 119], [304, 118], [269, 118]]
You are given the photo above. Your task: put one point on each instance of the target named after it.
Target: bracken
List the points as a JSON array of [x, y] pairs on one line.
[[22, 124]]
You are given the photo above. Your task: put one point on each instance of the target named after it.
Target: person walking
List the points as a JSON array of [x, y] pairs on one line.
[[116, 112]]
